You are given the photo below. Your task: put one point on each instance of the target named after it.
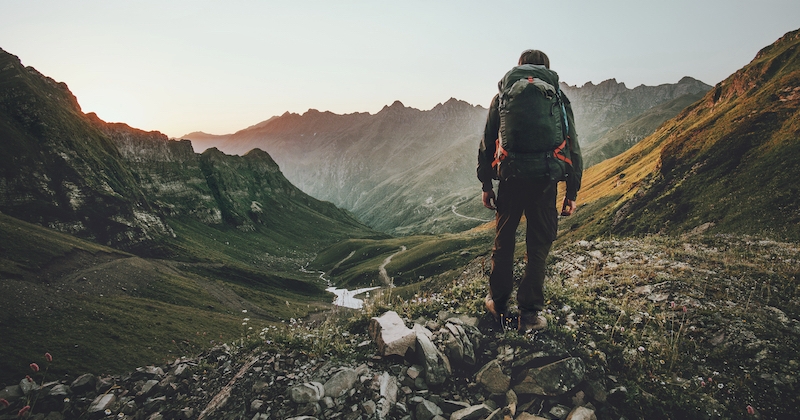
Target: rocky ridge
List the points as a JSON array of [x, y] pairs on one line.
[[451, 370], [656, 327]]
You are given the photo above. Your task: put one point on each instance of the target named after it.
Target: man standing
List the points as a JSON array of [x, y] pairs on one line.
[[529, 145]]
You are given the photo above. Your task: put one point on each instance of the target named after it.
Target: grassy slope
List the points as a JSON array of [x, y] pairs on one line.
[[718, 162], [102, 310]]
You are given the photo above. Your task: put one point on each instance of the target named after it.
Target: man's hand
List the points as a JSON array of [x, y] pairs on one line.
[[489, 200], [568, 208]]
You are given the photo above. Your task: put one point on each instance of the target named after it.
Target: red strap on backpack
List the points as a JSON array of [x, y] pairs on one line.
[[500, 154], [558, 153]]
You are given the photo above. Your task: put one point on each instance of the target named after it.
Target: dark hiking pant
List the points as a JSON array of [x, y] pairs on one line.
[[537, 201]]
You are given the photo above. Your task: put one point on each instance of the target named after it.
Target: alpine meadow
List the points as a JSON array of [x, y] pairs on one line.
[[192, 277]]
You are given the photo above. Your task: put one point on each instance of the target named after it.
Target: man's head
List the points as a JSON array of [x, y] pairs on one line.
[[534, 57]]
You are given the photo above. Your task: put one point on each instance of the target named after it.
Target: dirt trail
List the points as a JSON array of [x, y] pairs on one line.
[[382, 269], [453, 208]]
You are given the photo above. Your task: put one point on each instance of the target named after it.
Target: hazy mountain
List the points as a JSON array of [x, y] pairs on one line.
[[599, 108], [406, 171], [729, 163], [627, 134]]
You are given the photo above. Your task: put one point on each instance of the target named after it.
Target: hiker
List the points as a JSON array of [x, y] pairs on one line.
[[529, 145]]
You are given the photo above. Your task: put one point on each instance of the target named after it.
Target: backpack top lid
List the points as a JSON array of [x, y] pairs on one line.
[[528, 70]]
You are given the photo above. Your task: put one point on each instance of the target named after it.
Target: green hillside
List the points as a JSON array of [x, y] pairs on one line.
[[728, 164]]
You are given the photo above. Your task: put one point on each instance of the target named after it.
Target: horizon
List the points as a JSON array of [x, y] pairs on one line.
[[189, 67]]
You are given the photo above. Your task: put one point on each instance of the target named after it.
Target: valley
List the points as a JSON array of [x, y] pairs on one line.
[[674, 287]]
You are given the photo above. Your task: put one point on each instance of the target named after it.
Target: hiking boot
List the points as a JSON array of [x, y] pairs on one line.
[[531, 321], [497, 310]]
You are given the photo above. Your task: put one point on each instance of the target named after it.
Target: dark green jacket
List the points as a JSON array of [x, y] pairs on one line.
[[486, 150]]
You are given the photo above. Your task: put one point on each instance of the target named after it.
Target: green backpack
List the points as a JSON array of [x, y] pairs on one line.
[[533, 126]]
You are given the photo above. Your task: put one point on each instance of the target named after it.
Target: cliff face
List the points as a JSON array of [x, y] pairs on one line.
[[58, 170], [599, 108], [120, 186]]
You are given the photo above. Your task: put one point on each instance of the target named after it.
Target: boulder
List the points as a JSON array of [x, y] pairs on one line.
[[437, 366], [391, 334], [341, 382], [553, 379], [492, 378], [307, 392]]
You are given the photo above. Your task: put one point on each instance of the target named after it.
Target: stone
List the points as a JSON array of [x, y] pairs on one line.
[[154, 404], [101, 403], [388, 387], [553, 379], [559, 411], [185, 413], [427, 410], [582, 413], [369, 407], [147, 373], [256, 405], [182, 371], [12, 393], [307, 392], [391, 334], [450, 406], [27, 386], [511, 402], [492, 378], [84, 384], [149, 388], [437, 366], [59, 390], [529, 416], [474, 412], [340, 383], [414, 371]]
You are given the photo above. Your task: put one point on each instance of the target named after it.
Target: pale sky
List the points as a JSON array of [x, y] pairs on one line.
[[218, 67]]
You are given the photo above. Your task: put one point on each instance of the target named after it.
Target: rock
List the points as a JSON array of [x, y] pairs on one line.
[[27, 386], [528, 416], [307, 392], [581, 413], [154, 404], [427, 410], [388, 387], [146, 373], [149, 388], [391, 334], [182, 371], [101, 403], [437, 366], [492, 378], [559, 411], [369, 407], [553, 379], [84, 384], [341, 382], [511, 402], [12, 393], [185, 413], [256, 405], [450, 406], [459, 345], [474, 412]]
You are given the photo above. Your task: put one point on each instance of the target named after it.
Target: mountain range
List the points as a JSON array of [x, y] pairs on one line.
[[406, 171], [122, 247]]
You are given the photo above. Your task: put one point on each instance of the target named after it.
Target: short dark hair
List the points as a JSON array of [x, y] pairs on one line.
[[534, 57]]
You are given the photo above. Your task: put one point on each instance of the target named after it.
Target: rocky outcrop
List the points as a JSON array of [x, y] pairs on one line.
[[279, 383]]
